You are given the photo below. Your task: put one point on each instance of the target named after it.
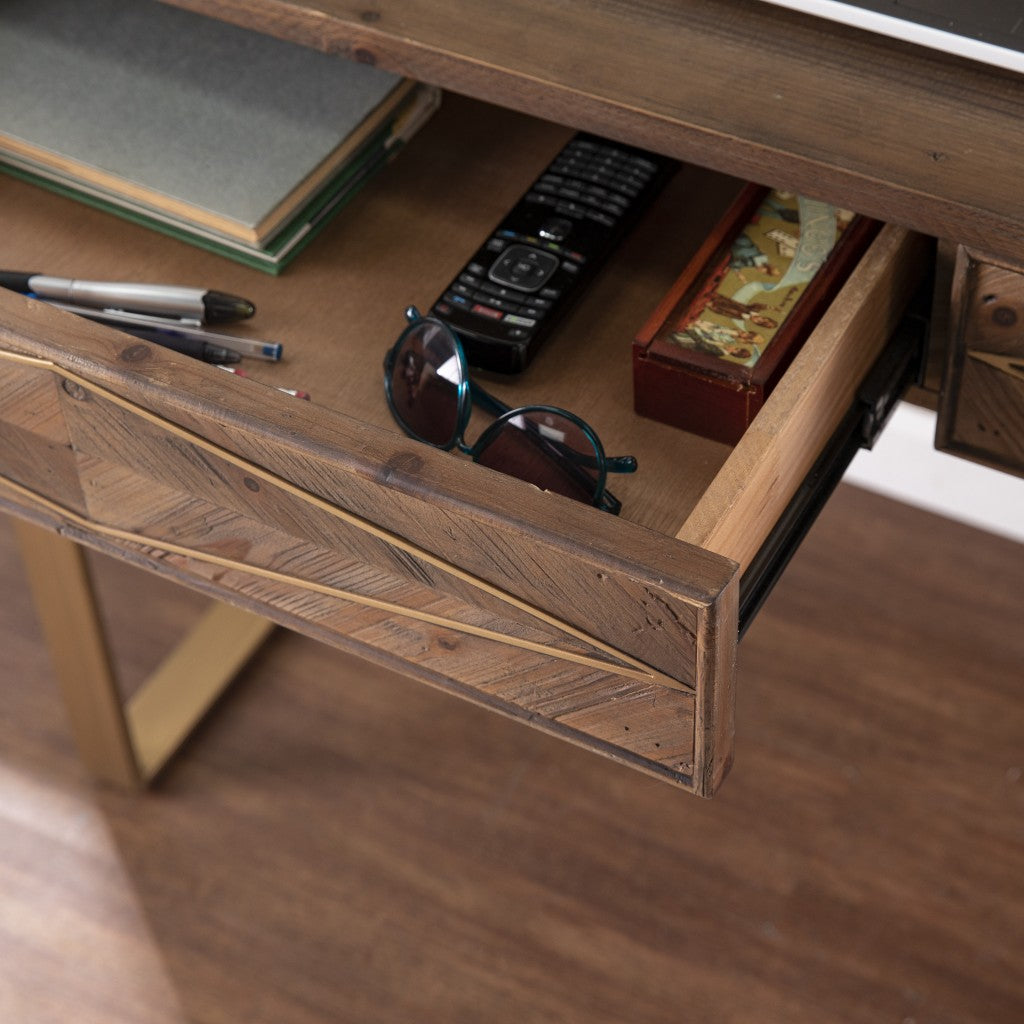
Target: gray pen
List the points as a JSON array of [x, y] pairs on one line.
[[161, 299]]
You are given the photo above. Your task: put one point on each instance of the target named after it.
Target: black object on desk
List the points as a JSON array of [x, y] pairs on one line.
[[182, 340], [537, 261]]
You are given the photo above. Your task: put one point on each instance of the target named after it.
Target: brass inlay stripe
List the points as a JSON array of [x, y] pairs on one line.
[[1012, 366], [622, 664]]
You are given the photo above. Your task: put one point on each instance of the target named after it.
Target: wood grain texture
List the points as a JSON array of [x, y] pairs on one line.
[[36, 443], [890, 130], [981, 409], [341, 844], [297, 526]]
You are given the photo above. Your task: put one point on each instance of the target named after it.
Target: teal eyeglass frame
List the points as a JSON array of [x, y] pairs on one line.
[[469, 393]]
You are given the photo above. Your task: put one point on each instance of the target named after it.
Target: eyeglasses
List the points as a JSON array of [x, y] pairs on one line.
[[430, 394]]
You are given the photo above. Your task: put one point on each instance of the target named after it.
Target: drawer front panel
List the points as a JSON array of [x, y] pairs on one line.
[[589, 640], [33, 435], [981, 411]]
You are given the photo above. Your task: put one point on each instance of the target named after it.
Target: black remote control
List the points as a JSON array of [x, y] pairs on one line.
[[525, 276]]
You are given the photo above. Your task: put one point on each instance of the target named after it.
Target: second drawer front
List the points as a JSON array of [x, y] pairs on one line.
[[981, 412]]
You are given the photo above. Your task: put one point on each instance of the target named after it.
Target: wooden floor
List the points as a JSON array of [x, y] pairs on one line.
[[338, 844]]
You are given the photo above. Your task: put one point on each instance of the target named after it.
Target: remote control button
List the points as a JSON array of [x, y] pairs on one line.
[[601, 218], [495, 302], [496, 244], [523, 267], [502, 293], [520, 321], [556, 230], [487, 311], [632, 181], [571, 209], [639, 174], [648, 165], [550, 293]]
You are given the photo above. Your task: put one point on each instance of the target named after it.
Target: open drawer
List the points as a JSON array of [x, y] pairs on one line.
[[616, 633]]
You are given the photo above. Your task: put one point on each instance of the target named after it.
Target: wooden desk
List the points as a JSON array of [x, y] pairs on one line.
[[617, 634]]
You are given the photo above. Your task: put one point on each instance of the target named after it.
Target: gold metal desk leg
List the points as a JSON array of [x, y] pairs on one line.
[[127, 742]]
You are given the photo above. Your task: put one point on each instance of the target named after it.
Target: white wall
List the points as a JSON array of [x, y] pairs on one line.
[[905, 465]]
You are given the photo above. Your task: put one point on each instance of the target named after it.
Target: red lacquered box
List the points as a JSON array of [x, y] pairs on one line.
[[713, 350]]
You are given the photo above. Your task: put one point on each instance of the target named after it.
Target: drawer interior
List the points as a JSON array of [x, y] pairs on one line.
[[340, 305]]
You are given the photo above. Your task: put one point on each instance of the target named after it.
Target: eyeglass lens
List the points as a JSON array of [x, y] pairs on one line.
[[546, 450], [543, 448], [425, 381]]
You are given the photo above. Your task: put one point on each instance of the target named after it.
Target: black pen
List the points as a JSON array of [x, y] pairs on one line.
[[162, 299], [257, 348], [167, 337], [187, 346]]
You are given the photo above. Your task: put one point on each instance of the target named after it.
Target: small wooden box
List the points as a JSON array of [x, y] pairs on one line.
[[710, 354]]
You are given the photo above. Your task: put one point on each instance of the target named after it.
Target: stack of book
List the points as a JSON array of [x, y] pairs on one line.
[[234, 141]]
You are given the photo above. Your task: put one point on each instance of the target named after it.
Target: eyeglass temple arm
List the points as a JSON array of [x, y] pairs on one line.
[[612, 463]]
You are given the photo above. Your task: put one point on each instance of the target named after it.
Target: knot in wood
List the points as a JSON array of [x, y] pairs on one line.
[[75, 390], [136, 353], [402, 464], [1004, 316], [364, 56]]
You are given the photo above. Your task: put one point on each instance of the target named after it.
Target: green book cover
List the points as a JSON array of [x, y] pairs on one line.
[[212, 123]]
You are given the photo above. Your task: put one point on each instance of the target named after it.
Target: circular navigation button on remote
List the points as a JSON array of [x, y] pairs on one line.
[[523, 267]]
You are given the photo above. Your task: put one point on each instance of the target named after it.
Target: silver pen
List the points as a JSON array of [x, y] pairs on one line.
[[160, 299]]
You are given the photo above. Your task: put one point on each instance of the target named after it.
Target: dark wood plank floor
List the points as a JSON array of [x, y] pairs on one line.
[[338, 844]]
